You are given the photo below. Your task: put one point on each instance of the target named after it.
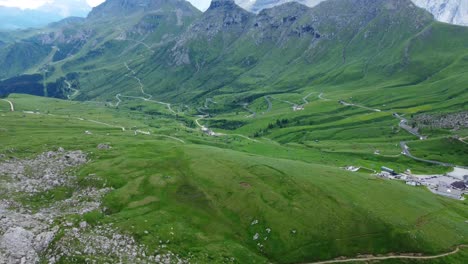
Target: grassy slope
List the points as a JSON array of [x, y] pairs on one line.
[[204, 199]]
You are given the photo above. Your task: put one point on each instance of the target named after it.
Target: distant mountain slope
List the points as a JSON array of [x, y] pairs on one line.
[[12, 18], [15, 18]]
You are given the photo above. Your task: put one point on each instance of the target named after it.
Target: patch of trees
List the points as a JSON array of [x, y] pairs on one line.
[[280, 123], [226, 124]]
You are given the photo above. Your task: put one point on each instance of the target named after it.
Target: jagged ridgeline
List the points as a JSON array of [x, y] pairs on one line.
[[182, 54]]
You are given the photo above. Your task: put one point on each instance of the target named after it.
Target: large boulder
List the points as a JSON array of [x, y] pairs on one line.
[[17, 246]]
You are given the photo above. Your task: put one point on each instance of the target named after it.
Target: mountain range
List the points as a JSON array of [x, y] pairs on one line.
[[169, 43], [449, 11]]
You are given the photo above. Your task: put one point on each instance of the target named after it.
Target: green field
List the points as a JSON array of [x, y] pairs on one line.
[[204, 194], [293, 95]]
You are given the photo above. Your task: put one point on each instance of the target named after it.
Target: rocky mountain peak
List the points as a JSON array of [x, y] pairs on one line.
[[217, 4], [449, 11]]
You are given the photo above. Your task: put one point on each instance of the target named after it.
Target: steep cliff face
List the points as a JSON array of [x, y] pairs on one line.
[[450, 11]]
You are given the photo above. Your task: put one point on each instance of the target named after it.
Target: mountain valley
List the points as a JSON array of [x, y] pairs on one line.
[[152, 132]]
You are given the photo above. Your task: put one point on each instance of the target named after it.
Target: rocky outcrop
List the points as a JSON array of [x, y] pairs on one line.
[[29, 233]]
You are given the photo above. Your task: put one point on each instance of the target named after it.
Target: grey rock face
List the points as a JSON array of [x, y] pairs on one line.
[[449, 11]]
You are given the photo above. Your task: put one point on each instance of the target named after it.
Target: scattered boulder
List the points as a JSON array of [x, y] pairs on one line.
[[83, 225], [42, 241], [104, 146]]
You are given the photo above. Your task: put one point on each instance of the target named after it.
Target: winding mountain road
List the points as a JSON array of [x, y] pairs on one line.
[[404, 125], [367, 259], [405, 150], [75, 91], [270, 105], [253, 114], [12, 107]]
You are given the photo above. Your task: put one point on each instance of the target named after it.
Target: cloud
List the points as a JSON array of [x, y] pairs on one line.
[[94, 3], [67, 5], [25, 4], [200, 4]]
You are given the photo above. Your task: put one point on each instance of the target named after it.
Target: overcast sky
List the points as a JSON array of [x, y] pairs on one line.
[[32, 4]]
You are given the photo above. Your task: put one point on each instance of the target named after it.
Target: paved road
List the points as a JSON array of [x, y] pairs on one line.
[[367, 259], [404, 125], [12, 107], [405, 150]]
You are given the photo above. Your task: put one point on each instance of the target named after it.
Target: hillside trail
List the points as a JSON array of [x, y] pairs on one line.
[[365, 259], [12, 107]]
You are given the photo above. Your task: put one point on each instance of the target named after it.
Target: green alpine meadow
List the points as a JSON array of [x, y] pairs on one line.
[[301, 133]]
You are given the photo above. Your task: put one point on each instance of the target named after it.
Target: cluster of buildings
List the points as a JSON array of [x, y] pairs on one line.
[[446, 185]]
